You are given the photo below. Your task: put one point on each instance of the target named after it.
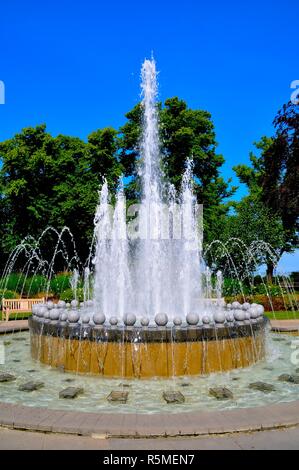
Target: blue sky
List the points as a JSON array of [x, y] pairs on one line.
[[75, 65]]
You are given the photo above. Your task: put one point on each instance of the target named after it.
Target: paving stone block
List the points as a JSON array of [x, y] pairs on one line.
[[118, 397], [71, 392], [173, 397]]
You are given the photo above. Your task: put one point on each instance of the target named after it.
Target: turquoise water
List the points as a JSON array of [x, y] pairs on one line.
[[145, 396]]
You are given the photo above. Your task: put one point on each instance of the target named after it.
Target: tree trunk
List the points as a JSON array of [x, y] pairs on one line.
[[270, 271]]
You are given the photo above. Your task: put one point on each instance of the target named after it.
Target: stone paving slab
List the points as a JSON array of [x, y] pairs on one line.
[[48, 420], [279, 439], [285, 325], [158, 425], [13, 326], [91, 422], [70, 423]]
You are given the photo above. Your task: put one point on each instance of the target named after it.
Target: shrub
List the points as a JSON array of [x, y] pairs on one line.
[[277, 303], [67, 295], [7, 294], [60, 283], [233, 287], [13, 282], [269, 289], [34, 285]]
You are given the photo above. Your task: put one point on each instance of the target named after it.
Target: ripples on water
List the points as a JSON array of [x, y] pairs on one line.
[[145, 396]]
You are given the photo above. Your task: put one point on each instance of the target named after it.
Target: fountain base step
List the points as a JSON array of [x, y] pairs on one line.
[[192, 351]]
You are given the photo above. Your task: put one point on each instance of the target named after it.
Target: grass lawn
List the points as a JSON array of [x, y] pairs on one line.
[[18, 316], [283, 315]]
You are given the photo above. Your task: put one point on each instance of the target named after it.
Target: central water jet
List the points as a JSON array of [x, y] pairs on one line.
[[157, 269]]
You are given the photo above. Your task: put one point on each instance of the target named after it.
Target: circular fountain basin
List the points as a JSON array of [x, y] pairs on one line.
[[146, 396], [144, 352]]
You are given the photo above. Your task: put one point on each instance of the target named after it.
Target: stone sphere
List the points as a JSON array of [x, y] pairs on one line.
[[260, 310], [144, 321], [89, 303], [68, 305], [54, 314], [63, 316], [219, 317], [246, 306], [206, 320], [85, 319], [230, 317], [239, 315], [129, 319], [177, 321], [247, 315], [229, 306], [253, 312], [73, 316], [99, 318], [82, 304], [50, 305], [39, 308], [47, 315], [192, 318], [61, 304], [113, 321], [41, 311], [34, 308], [236, 305], [74, 303], [161, 319]]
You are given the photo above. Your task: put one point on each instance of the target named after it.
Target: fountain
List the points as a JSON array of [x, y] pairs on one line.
[[151, 314]]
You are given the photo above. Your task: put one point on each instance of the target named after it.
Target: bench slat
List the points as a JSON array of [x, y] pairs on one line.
[[10, 306]]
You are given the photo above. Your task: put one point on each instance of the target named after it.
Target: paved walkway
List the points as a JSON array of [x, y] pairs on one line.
[[285, 325], [268, 440], [13, 326], [142, 425]]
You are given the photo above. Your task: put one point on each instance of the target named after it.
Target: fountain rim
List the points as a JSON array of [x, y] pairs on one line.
[[150, 334]]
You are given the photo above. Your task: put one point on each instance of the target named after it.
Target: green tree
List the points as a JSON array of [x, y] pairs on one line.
[[53, 181], [273, 177], [185, 133], [260, 234], [25, 183], [82, 168], [102, 150]]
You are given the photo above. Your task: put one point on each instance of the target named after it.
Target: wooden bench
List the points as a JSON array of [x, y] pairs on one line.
[[10, 306]]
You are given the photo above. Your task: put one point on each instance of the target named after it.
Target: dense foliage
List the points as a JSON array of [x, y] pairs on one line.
[[185, 134], [272, 180]]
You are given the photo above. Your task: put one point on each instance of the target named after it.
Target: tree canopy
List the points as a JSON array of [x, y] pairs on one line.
[[184, 133], [272, 181], [53, 181]]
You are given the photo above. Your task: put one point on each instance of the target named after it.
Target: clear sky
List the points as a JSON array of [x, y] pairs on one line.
[[75, 65]]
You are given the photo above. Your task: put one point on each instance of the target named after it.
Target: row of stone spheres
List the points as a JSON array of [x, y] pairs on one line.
[[83, 313]]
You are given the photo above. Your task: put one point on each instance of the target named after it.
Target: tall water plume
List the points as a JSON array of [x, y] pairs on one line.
[[152, 264]]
